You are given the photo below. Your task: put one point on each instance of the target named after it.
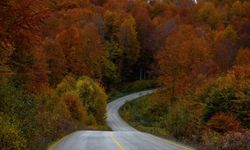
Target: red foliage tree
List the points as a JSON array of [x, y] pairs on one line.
[[223, 123], [20, 30]]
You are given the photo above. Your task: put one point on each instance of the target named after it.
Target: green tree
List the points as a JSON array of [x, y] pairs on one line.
[[93, 98], [130, 45]]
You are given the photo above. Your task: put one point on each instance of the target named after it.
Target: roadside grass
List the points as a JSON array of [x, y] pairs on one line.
[[137, 114]]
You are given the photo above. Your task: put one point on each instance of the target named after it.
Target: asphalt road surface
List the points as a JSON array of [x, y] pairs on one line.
[[123, 136]]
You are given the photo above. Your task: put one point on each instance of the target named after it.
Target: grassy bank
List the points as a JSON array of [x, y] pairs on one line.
[[176, 123], [137, 114]]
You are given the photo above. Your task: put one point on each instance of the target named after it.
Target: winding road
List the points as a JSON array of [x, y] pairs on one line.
[[123, 136]]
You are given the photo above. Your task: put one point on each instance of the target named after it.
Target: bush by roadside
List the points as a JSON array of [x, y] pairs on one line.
[[33, 121], [183, 122]]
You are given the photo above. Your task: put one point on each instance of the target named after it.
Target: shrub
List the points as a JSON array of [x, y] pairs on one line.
[[230, 141], [67, 85], [236, 141], [223, 123], [159, 103], [19, 106], [74, 106], [10, 98], [10, 136], [241, 108], [219, 101], [137, 111], [177, 120], [228, 94], [29, 121], [91, 121], [93, 98], [223, 132], [212, 140], [91, 94], [52, 121], [218, 95]]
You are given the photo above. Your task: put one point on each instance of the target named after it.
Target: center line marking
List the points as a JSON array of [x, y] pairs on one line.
[[116, 142]]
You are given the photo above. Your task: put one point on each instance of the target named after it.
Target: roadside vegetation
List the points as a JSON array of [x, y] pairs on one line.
[[213, 116], [136, 113], [30, 121]]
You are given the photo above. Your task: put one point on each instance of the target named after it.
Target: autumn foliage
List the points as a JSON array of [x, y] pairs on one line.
[[58, 58], [223, 123], [73, 103]]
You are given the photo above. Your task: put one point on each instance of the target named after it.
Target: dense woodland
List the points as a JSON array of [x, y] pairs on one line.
[[59, 58]]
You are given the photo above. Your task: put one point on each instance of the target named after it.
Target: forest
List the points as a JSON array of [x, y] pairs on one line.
[[61, 61]]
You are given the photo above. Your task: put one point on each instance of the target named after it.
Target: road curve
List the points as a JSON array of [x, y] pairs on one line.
[[123, 136]]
